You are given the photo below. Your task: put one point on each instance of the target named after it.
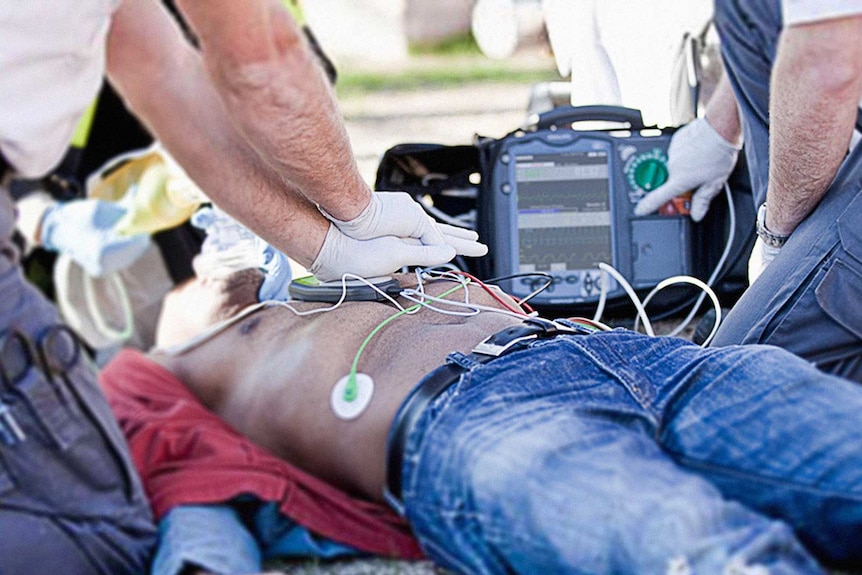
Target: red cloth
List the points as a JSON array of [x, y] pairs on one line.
[[185, 454]]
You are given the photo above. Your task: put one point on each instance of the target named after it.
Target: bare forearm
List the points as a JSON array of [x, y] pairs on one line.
[[722, 112], [816, 86], [188, 117], [271, 84]]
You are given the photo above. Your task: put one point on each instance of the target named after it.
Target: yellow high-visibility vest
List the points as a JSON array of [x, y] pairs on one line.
[[85, 124], [295, 9]]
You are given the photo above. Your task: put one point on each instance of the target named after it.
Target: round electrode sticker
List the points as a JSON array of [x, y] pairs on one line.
[[349, 401]]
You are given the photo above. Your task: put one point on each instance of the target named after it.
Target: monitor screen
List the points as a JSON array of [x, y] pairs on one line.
[[564, 211]]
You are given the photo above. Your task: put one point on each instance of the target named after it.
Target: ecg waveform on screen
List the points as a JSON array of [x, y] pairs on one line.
[[583, 195], [555, 249], [563, 211]]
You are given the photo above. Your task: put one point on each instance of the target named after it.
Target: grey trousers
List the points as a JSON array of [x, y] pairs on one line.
[[70, 499], [809, 299]]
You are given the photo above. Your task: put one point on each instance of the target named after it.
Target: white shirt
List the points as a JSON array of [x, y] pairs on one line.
[[805, 11], [52, 62]]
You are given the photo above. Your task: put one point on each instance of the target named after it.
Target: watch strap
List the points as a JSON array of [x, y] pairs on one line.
[[769, 238]]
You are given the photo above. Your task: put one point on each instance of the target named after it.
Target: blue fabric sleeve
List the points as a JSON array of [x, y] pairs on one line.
[[211, 537]]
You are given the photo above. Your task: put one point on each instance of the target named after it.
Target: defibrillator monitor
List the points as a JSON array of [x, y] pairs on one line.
[[564, 211], [562, 201]]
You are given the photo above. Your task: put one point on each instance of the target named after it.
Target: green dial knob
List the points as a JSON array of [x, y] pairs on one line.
[[650, 174]]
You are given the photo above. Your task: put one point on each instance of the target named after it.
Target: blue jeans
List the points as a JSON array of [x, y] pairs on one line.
[[805, 301], [621, 453]]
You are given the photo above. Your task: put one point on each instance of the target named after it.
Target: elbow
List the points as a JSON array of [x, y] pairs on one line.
[[838, 79], [825, 56], [245, 83], [263, 77]]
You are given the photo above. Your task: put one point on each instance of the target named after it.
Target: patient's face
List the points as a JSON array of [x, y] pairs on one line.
[[193, 306]]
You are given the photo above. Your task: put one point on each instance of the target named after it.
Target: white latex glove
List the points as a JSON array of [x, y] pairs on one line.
[[85, 231], [761, 256], [381, 256], [698, 159], [398, 214]]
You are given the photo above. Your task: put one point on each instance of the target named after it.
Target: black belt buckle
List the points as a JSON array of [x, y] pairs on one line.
[[533, 328]]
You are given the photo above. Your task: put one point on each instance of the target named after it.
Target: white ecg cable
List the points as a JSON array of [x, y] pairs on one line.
[[423, 300], [731, 237], [706, 291], [705, 287], [630, 292]]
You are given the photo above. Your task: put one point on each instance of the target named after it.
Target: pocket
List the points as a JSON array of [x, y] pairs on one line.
[[67, 431], [849, 230], [839, 294], [822, 322], [54, 415]]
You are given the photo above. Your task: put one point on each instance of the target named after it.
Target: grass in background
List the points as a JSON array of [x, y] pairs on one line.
[[462, 44], [449, 63], [445, 75]]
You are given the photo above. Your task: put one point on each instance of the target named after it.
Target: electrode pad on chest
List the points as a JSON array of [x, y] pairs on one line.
[[350, 398]]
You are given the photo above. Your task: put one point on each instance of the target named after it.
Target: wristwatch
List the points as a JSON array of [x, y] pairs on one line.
[[769, 238]]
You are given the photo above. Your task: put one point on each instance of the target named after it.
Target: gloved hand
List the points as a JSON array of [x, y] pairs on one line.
[[84, 230], [342, 254], [398, 214], [761, 256], [276, 269], [698, 159]]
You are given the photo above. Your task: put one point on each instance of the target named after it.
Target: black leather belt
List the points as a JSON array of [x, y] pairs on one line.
[[501, 343], [4, 165]]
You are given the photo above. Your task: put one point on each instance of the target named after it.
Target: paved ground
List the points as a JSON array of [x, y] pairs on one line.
[[358, 567], [377, 121]]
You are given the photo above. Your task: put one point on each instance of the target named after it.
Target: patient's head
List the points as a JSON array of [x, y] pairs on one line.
[[200, 302]]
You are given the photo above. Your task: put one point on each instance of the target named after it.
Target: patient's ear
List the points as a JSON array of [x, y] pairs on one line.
[[198, 303]]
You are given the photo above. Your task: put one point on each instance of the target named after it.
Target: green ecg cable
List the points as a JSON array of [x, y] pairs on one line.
[[351, 389]]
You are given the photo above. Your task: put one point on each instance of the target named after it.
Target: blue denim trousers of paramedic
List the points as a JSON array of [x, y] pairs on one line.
[[621, 453], [806, 300], [70, 499]]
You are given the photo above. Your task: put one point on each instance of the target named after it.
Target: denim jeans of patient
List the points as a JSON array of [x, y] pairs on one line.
[[806, 300], [70, 500], [621, 453]]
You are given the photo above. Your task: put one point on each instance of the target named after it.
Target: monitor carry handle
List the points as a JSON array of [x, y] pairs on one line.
[[570, 114]]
